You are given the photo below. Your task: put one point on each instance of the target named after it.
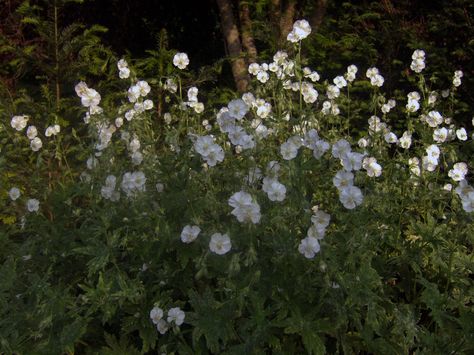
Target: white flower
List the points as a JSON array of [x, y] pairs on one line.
[[124, 73], [171, 86], [343, 179], [371, 72], [440, 135], [143, 88], [433, 151], [340, 148], [301, 30], [19, 122], [461, 134], [391, 138], [262, 76], [237, 108], [31, 132], [434, 119], [350, 197], [332, 92], [340, 82], [309, 247], [122, 64], [352, 161], [176, 315], [245, 209], [181, 60], [156, 314], [405, 140], [458, 172], [254, 68], [220, 243], [377, 80], [321, 220], [36, 144], [52, 130], [192, 94], [190, 233], [288, 150], [162, 326], [275, 190], [14, 193], [413, 105], [32, 205], [89, 97], [372, 167]]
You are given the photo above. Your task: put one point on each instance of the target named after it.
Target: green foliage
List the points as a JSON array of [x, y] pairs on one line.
[[393, 275]]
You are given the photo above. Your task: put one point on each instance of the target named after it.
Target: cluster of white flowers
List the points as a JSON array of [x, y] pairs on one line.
[[175, 315], [309, 246], [350, 75], [418, 61], [211, 152], [375, 78], [458, 74], [315, 143], [133, 183], [32, 204], [89, 97], [181, 60], [226, 119], [19, 123], [413, 103], [274, 189], [108, 190], [246, 209], [301, 30], [349, 195], [430, 160], [193, 100], [52, 130], [124, 71], [386, 107], [140, 89]]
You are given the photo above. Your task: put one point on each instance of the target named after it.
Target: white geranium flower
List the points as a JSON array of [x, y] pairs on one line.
[[461, 134], [31, 132], [36, 144], [176, 315], [220, 243], [156, 314], [181, 60], [32, 205], [350, 197], [19, 122], [237, 108], [343, 179], [309, 247], [458, 172], [162, 326], [14, 193], [190, 233]]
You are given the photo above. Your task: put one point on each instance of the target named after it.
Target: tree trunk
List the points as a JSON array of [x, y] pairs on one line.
[[247, 36], [317, 16], [231, 36], [286, 20]]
